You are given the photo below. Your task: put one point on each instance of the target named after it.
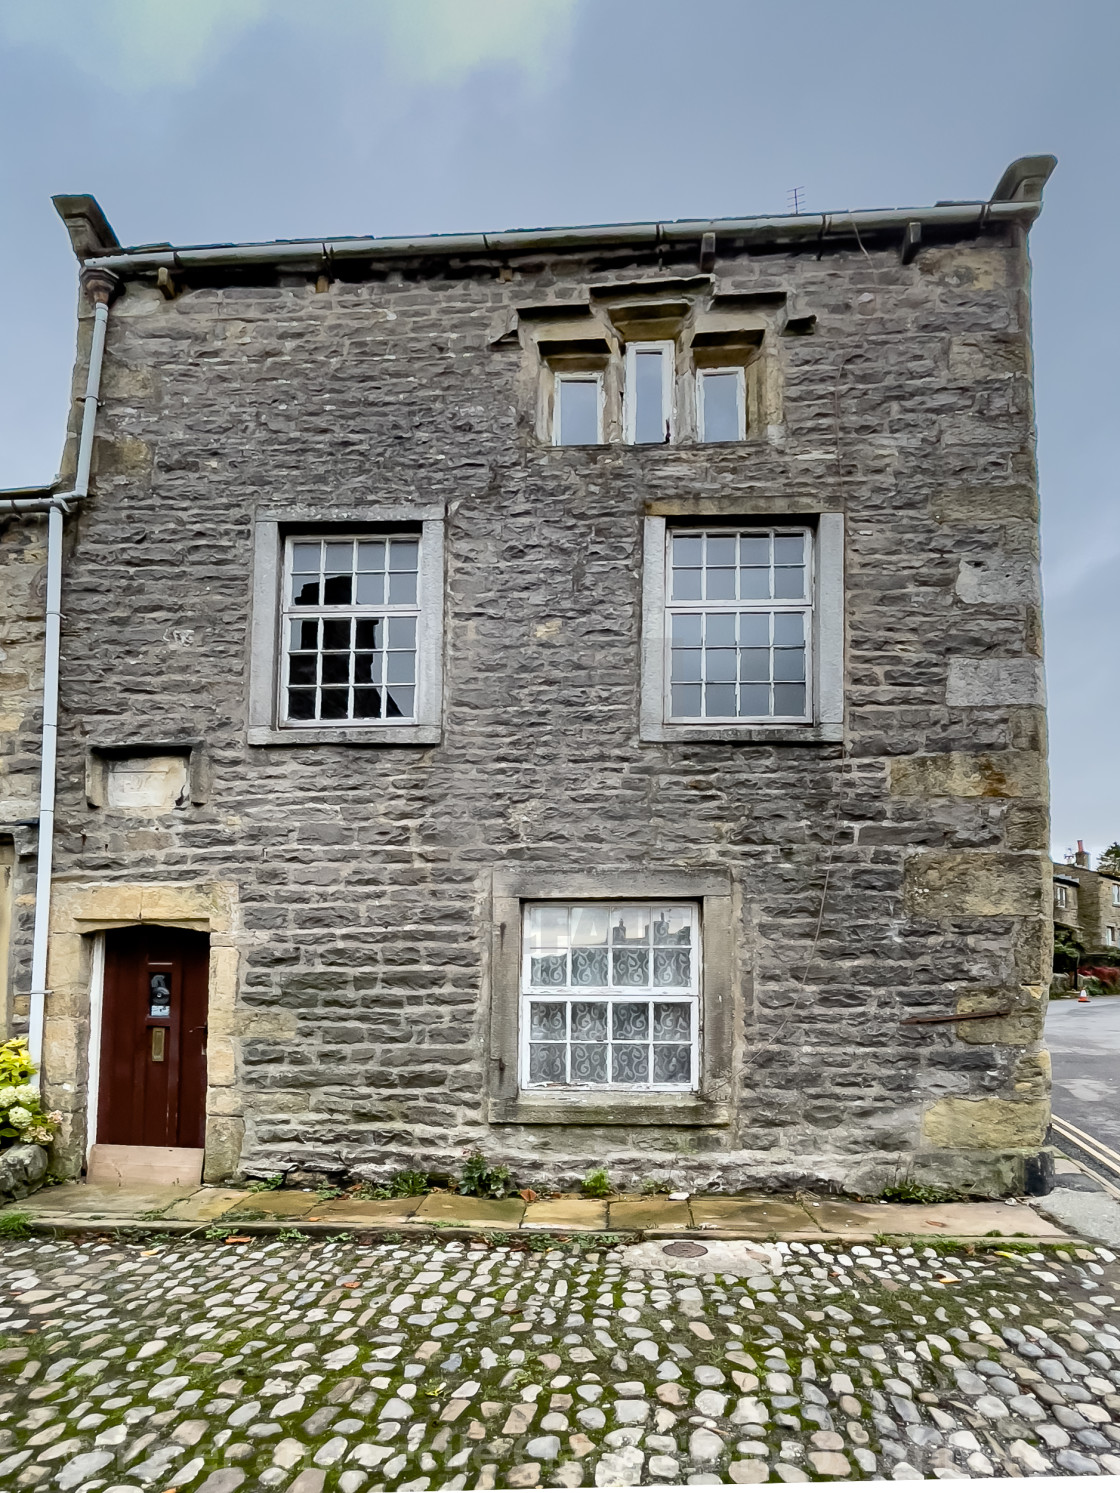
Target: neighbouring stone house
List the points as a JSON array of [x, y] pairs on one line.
[[1087, 902], [572, 693]]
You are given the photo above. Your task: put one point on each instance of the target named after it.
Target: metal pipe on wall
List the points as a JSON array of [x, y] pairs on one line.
[[51, 649]]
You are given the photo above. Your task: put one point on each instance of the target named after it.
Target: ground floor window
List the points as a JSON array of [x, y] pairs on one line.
[[610, 995]]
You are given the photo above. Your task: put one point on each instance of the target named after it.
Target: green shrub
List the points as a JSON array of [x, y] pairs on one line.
[[909, 1191], [480, 1180], [597, 1184], [22, 1116]]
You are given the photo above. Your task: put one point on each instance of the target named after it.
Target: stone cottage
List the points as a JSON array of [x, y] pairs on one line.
[[572, 693]]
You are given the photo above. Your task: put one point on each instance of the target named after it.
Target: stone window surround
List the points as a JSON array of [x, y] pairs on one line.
[[270, 529], [101, 754], [827, 644], [709, 1105]]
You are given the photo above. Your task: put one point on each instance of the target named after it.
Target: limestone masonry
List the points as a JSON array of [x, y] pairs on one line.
[[839, 866]]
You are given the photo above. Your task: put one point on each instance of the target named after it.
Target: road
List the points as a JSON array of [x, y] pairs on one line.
[[316, 1367], [1084, 1043]]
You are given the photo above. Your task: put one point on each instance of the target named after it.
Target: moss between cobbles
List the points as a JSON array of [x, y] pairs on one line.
[[809, 1328]]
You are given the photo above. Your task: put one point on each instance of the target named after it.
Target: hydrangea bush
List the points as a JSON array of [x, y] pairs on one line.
[[22, 1116]]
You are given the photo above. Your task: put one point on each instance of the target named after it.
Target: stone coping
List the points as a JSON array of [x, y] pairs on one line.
[[74, 1206]]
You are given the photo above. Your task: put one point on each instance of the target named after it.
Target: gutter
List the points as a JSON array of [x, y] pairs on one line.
[[100, 288], [799, 228]]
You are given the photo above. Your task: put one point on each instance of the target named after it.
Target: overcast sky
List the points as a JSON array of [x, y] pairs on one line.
[[215, 120]]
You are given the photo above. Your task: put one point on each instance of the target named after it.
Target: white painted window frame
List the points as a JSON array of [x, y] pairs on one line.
[[611, 995], [826, 651], [1115, 895], [1061, 896], [668, 351], [271, 528], [740, 375], [290, 613], [558, 381]]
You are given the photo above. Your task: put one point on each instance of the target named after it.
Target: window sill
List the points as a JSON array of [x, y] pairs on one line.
[[598, 1108], [793, 734], [365, 736]]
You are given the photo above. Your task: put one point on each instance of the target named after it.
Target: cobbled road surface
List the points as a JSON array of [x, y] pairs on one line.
[[317, 1366]]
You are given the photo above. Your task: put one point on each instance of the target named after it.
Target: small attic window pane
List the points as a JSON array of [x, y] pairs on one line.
[[577, 412], [721, 406], [650, 419]]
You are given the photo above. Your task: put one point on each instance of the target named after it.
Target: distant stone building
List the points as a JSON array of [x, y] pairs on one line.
[[1087, 902], [573, 693]]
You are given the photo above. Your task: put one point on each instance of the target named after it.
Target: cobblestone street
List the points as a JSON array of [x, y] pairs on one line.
[[305, 1365]]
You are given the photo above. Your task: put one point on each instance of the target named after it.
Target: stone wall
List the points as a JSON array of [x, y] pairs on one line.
[[897, 874]]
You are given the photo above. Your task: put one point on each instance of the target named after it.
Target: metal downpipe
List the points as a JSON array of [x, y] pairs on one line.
[[53, 634]]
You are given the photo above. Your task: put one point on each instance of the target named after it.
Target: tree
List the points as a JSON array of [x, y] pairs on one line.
[[1109, 859]]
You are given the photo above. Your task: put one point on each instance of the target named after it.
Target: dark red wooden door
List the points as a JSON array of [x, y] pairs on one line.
[[153, 1038]]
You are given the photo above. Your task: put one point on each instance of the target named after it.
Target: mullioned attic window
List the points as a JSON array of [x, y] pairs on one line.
[[610, 996], [648, 393], [721, 404], [350, 629]]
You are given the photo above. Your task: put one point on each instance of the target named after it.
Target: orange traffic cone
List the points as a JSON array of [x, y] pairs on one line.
[[1083, 998]]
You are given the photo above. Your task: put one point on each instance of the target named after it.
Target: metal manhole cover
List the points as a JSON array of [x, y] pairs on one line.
[[684, 1248]]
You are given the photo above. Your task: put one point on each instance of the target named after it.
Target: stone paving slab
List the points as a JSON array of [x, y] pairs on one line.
[[494, 1213], [376, 1211], [957, 1220], [325, 1366], [97, 1201], [207, 1204], [648, 1213], [280, 1204], [585, 1214], [766, 1215]]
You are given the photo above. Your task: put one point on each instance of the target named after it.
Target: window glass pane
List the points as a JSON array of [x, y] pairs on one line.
[[371, 555], [403, 554], [687, 631], [629, 926], [754, 629], [789, 664], [402, 632], [754, 585], [688, 549], [369, 632], [687, 584], [789, 580], [336, 632], [589, 966], [719, 665], [672, 1022], [685, 700], [720, 549], [306, 557], [672, 1064], [789, 699], [340, 557], [336, 668], [754, 665], [719, 629], [630, 1020], [301, 669], [686, 664], [720, 585], [369, 591], [548, 969], [789, 549], [400, 668], [754, 699], [367, 704], [672, 968], [305, 633], [719, 699], [334, 704], [629, 1063], [589, 1020], [547, 927], [338, 590], [546, 1062], [589, 925], [789, 629], [589, 1062], [754, 549], [402, 588], [650, 416], [301, 704], [305, 590], [630, 966], [547, 1021], [577, 412], [673, 925], [720, 407], [400, 701]]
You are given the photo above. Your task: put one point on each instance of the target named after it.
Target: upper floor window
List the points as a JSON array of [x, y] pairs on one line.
[[1061, 896], [350, 622], [610, 996], [577, 418], [648, 393], [1110, 935], [1116, 894], [721, 404], [739, 624]]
